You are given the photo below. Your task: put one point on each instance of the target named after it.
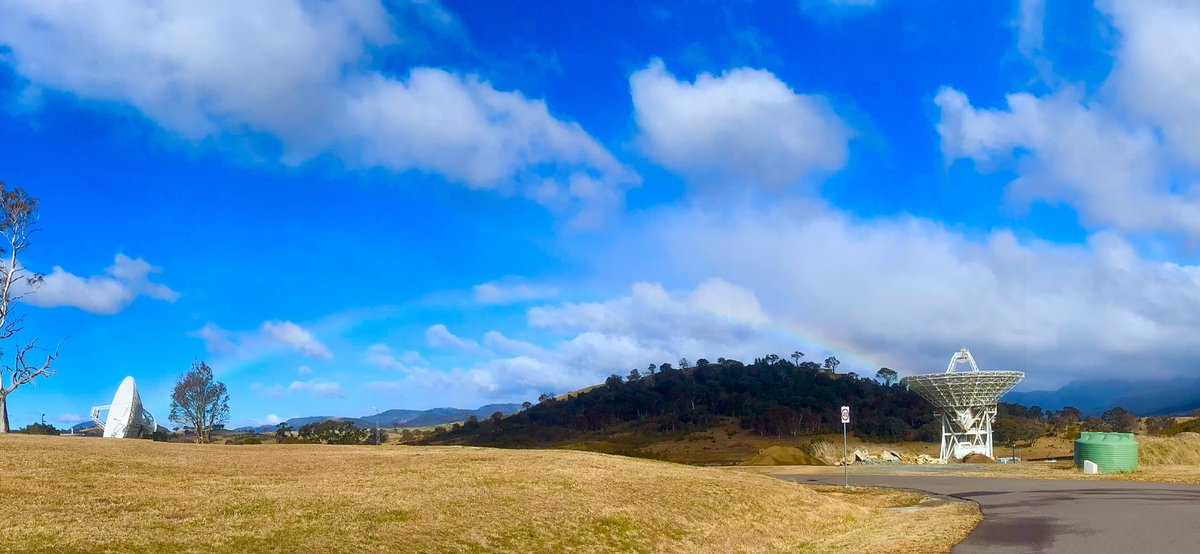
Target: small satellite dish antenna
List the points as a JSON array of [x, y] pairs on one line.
[[126, 417]]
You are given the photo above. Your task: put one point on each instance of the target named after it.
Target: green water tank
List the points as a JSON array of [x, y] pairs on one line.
[[1112, 452]]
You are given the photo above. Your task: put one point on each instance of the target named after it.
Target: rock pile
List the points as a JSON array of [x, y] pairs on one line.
[[864, 457], [925, 459]]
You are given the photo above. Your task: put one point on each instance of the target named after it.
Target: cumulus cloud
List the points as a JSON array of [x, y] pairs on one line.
[[1155, 72], [296, 337], [271, 336], [1126, 157], [1067, 151], [906, 291], [124, 280], [439, 336], [299, 72], [594, 339], [743, 127]]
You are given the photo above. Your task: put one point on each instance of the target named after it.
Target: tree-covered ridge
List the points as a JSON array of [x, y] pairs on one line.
[[772, 396]]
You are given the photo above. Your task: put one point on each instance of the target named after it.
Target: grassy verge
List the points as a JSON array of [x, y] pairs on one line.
[[78, 494]]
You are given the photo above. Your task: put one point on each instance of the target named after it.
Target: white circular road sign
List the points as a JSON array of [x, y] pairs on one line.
[[845, 414]]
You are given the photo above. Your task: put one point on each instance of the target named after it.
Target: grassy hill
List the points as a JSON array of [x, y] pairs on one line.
[[65, 494], [728, 410]]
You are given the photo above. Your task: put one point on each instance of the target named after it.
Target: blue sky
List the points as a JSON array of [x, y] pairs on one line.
[[350, 205]]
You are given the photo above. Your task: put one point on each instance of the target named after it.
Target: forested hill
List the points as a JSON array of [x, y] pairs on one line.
[[771, 396]]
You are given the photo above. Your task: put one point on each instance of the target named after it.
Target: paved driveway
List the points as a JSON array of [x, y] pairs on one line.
[[1042, 515]]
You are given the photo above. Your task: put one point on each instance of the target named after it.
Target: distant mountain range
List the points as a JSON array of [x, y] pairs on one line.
[[1144, 398], [397, 418]]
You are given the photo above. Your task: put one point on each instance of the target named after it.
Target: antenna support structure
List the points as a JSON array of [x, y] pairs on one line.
[[965, 402]]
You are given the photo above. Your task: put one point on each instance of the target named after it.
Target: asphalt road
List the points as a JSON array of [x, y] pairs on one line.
[[1043, 515]]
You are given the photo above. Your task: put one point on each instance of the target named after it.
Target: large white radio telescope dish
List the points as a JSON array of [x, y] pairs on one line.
[[966, 403], [126, 417]]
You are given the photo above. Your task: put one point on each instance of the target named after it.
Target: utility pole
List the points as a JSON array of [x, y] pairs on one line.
[[376, 424]]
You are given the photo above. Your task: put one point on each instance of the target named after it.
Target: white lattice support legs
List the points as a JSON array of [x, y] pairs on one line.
[[966, 431]]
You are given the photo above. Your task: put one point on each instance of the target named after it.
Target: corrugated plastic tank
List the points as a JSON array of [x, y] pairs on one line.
[[1113, 452]]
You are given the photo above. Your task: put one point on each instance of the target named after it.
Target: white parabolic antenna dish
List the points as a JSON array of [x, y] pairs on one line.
[[126, 417], [966, 402]]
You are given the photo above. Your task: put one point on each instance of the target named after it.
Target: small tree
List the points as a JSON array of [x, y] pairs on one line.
[[38, 429], [1120, 419], [472, 422], [526, 405], [684, 364], [282, 430], [887, 375], [796, 357], [831, 364], [1157, 424], [199, 401], [18, 217], [634, 375]]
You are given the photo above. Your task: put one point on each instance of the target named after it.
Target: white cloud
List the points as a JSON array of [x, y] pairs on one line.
[[743, 127], [1155, 71], [125, 280], [269, 419], [1126, 156], [296, 337], [299, 72], [837, 8], [1070, 152], [68, 419], [304, 371], [1030, 23], [650, 325], [383, 357], [438, 336], [316, 387], [905, 292], [511, 291], [270, 337]]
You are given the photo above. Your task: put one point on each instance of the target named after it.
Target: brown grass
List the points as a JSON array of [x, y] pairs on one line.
[[1181, 449], [729, 444], [91, 495]]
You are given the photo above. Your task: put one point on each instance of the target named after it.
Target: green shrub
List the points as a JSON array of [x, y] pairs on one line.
[[1189, 426], [38, 429]]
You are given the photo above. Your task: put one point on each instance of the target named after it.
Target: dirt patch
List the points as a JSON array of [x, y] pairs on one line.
[[783, 456], [977, 459]]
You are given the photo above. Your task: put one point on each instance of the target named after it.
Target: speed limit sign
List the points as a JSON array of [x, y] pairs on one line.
[[845, 414]]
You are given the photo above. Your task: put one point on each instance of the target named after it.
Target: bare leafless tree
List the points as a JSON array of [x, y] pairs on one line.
[[18, 220], [199, 401]]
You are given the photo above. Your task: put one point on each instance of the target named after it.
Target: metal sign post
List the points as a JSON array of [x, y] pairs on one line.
[[845, 444]]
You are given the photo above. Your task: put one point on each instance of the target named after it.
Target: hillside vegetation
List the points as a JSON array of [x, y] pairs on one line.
[[771, 397], [77, 494]]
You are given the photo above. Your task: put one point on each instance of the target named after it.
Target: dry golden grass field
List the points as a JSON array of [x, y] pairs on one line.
[[1160, 459], [64, 494]]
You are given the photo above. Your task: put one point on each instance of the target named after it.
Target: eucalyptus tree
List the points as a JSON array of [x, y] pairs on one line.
[[18, 221]]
